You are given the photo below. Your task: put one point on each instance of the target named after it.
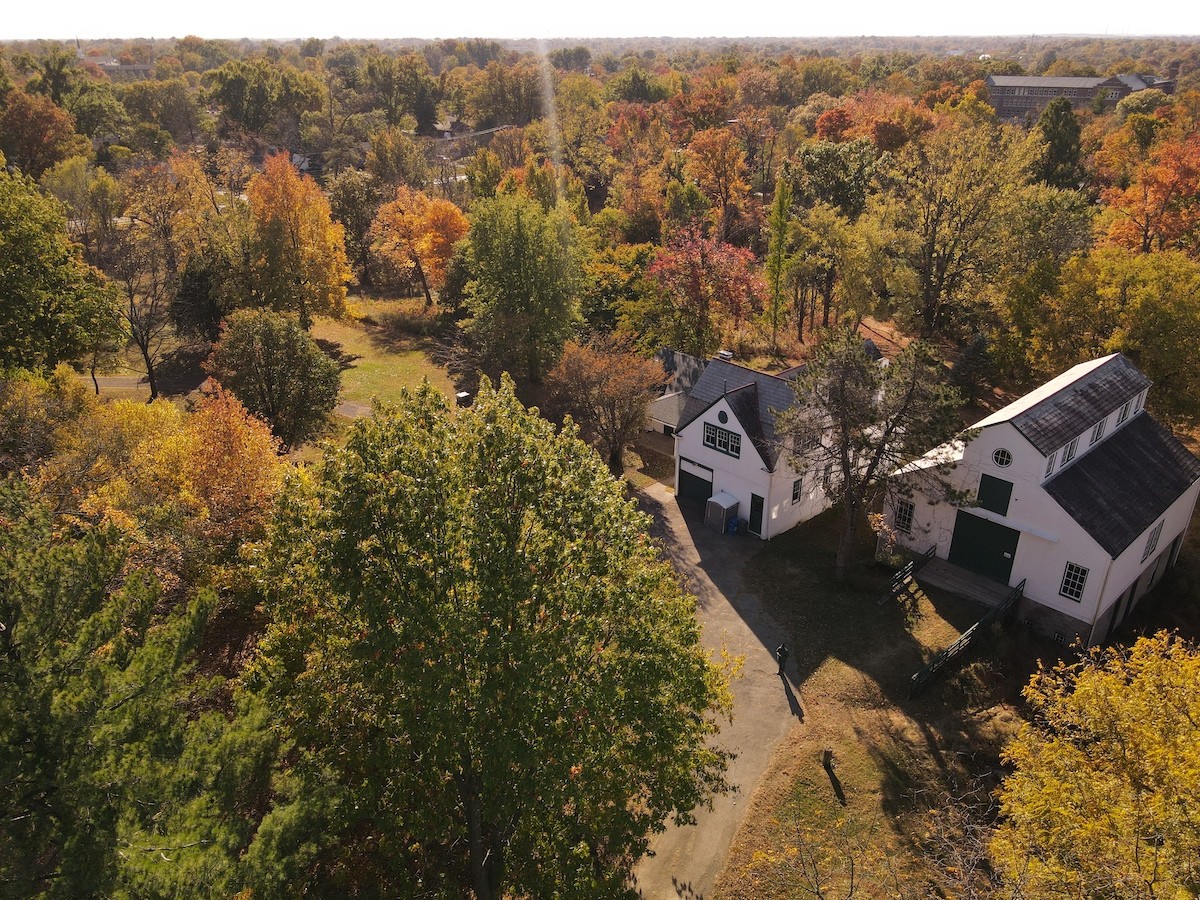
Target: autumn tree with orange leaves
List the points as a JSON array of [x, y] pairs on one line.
[[301, 262], [1160, 209], [417, 233]]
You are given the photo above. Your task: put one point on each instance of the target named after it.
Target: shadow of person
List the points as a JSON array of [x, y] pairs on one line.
[[793, 701]]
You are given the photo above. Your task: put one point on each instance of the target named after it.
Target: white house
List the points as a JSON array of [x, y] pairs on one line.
[[726, 441], [1074, 489]]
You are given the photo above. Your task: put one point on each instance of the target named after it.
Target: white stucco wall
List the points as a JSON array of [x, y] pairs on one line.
[[748, 474], [1049, 537]]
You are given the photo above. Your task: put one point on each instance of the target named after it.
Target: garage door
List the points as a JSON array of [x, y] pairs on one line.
[[695, 481], [984, 547]]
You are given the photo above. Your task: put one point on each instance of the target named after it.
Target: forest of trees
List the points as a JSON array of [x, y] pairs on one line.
[[187, 618]]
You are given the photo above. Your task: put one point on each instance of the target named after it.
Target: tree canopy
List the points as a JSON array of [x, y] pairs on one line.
[[269, 362], [481, 655], [1103, 800], [52, 304]]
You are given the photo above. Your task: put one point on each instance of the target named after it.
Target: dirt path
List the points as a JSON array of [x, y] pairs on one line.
[[687, 860]]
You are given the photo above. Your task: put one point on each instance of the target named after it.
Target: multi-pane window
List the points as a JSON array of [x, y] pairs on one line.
[[1141, 398], [904, 515], [1073, 581], [797, 486], [1098, 431], [1050, 463], [1124, 413], [722, 440], [1152, 541], [1068, 453]]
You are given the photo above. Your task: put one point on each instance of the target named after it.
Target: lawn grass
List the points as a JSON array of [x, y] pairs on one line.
[[383, 348], [893, 758]]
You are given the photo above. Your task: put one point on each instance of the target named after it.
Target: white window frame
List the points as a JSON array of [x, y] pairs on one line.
[[1050, 464], [1152, 540], [1074, 582], [722, 440], [905, 512], [797, 490], [1124, 413], [1069, 451], [1098, 431]]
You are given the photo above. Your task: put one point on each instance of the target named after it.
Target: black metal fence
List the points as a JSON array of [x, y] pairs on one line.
[[939, 662]]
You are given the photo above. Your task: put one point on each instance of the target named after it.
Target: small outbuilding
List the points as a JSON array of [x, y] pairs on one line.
[[720, 511]]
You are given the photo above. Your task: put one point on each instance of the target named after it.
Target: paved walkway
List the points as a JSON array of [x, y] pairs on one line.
[[688, 860]]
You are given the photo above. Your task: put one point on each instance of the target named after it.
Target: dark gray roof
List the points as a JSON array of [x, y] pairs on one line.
[[1079, 405], [683, 369], [668, 408], [754, 398], [1064, 81], [1121, 487]]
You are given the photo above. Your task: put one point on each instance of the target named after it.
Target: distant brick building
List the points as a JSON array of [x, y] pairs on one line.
[[1021, 96]]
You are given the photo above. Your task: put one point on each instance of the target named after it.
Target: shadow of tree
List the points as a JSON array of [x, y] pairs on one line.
[[182, 370], [333, 349]]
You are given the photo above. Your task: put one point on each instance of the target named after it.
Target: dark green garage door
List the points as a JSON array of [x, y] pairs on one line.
[[692, 486], [983, 546]]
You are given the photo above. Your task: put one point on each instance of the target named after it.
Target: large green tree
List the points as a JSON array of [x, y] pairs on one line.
[[1104, 797], [90, 725], [483, 659], [855, 421], [277, 370], [1060, 164], [946, 200], [52, 305], [525, 283]]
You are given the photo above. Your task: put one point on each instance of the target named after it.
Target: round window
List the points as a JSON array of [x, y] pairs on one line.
[[722, 417], [1002, 458]]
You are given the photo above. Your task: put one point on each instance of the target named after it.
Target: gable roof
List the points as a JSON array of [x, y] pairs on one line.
[[1120, 488], [754, 398], [1068, 405]]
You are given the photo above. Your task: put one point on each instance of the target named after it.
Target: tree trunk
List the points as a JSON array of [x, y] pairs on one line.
[[481, 876], [424, 282], [845, 550]]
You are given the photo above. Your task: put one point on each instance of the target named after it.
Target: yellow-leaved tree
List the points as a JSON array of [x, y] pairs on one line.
[[300, 251], [1104, 800]]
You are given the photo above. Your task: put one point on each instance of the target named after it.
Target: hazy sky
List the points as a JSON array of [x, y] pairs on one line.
[[585, 18]]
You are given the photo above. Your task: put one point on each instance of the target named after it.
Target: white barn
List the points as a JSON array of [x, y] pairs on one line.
[[1075, 490], [726, 441]]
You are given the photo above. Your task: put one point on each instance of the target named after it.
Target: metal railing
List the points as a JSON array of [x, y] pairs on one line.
[[939, 662], [904, 575]]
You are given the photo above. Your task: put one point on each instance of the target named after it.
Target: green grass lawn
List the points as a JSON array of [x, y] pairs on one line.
[[383, 348]]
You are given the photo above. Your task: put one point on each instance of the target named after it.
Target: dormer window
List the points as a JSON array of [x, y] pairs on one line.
[[1050, 463], [1141, 398], [1069, 451], [1098, 431], [1124, 413]]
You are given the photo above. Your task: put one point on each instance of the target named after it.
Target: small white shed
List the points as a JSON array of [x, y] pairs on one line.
[[722, 509]]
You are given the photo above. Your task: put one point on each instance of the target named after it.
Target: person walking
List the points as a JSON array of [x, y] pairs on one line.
[[781, 654]]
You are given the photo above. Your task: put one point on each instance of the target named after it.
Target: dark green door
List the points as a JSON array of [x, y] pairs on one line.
[[756, 511], [692, 486], [983, 547]]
